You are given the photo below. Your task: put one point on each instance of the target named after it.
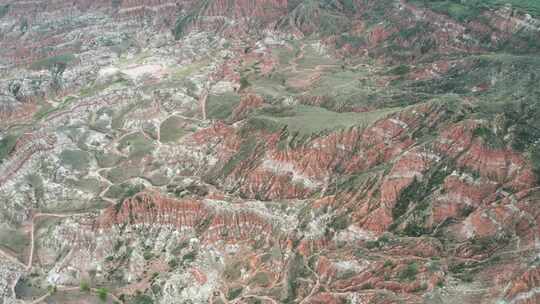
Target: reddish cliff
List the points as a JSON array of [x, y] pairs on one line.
[[214, 222]]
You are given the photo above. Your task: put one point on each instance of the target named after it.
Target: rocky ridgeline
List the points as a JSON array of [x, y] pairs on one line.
[[87, 106], [162, 11], [267, 10], [213, 222], [308, 168], [477, 192], [272, 173], [26, 147]]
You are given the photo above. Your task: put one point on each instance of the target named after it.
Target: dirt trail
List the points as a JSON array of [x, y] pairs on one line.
[[109, 185], [32, 230], [28, 266], [203, 100]]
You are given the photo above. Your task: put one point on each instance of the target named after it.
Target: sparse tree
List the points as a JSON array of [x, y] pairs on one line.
[[57, 70], [102, 294], [84, 286]]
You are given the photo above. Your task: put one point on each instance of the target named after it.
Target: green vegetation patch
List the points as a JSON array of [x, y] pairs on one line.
[[221, 106], [272, 86], [255, 124], [49, 62], [172, 129], [308, 119], [76, 159], [138, 145], [413, 203], [4, 9], [186, 70], [511, 91], [6, 145], [511, 105], [14, 240], [325, 17], [260, 279], [120, 174], [84, 286], [246, 150], [96, 88], [36, 182], [284, 55], [409, 273], [46, 108], [456, 10], [121, 47], [102, 294], [489, 138], [400, 70], [232, 271], [106, 159], [143, 299], [234, 293], [148, 255], [354, 41], [124, 190]]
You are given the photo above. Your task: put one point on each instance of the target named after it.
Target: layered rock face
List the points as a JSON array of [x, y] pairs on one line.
[[269, 151], [25, 148], [218, 223]]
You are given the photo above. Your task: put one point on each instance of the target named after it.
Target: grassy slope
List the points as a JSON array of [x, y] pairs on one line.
[[6, 145], [308, 119], [172, 129]]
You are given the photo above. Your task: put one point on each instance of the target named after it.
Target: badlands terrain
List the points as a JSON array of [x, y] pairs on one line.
[[269, 151]]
